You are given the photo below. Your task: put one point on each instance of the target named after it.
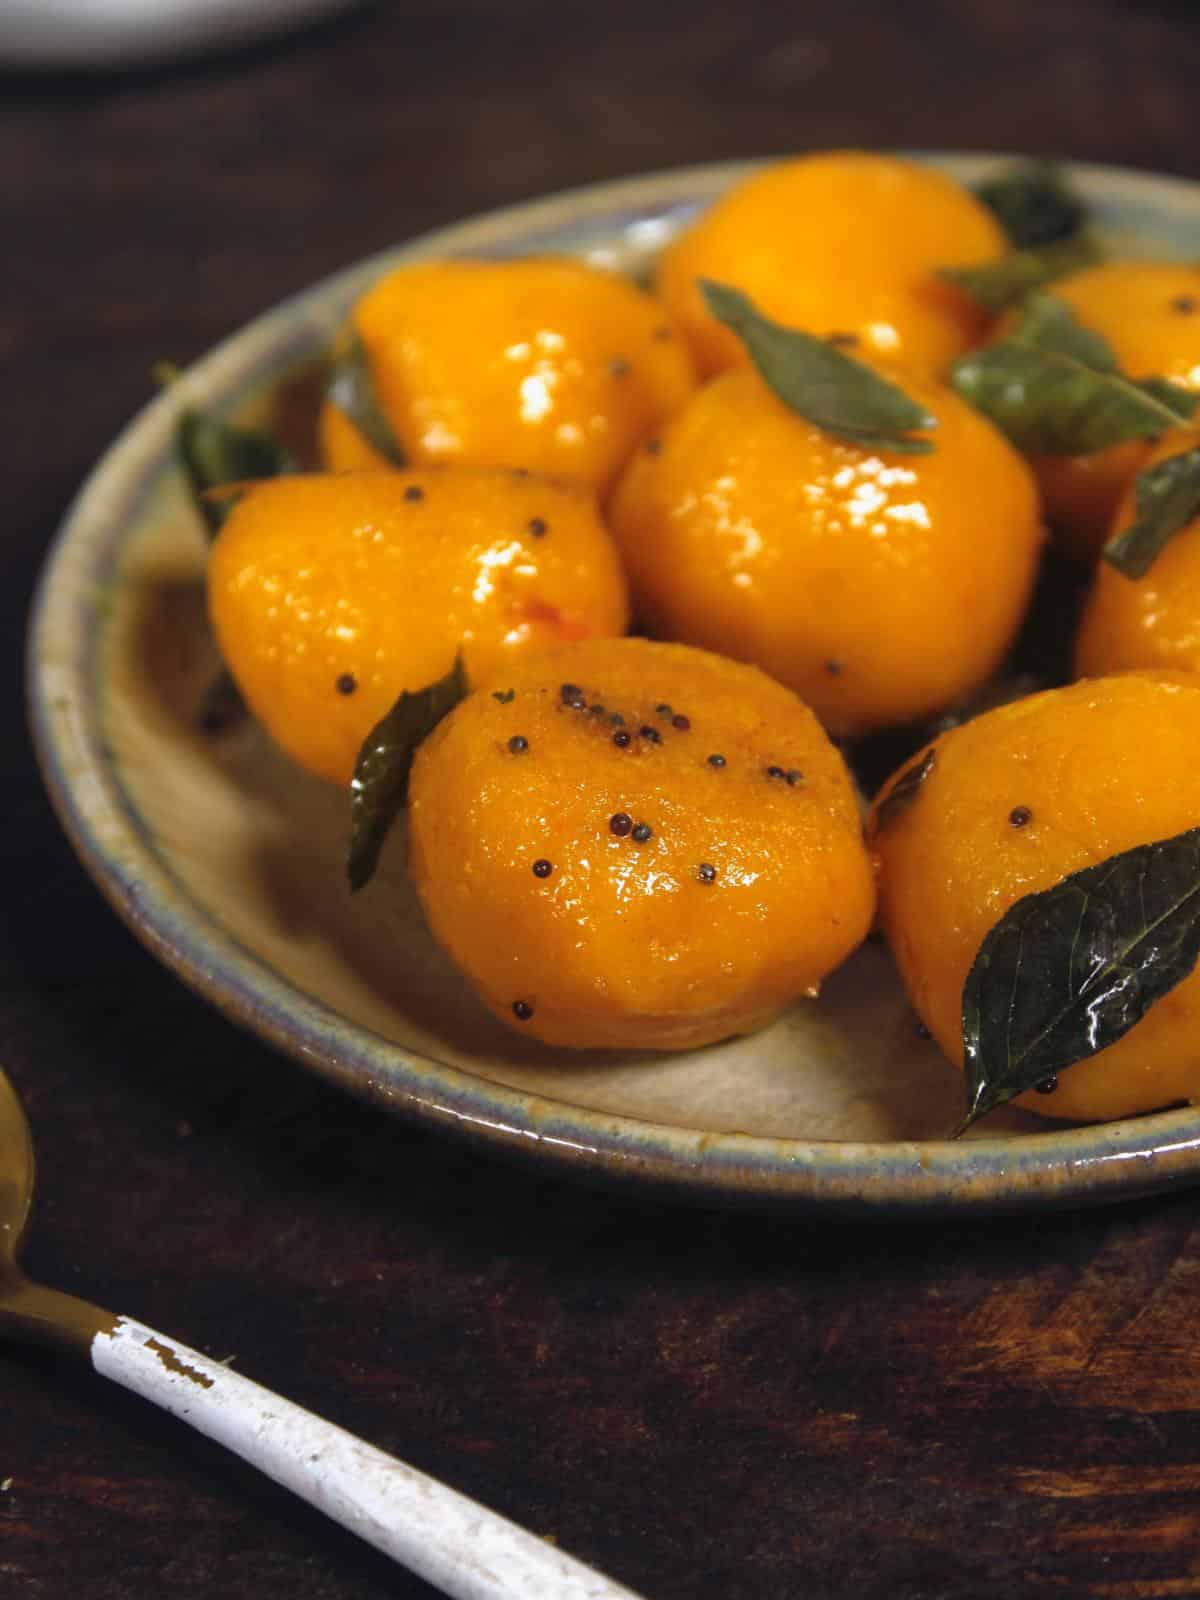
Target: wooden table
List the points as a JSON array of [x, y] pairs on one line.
[[710, 1407]]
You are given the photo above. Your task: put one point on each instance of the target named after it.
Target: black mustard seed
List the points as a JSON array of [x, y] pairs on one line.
[[542, 868], [346, 683], [621, 824], [642, 832]]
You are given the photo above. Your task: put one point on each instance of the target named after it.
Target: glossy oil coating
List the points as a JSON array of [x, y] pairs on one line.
[[149, 857], [329, 595], [643, 846], [1154, 620], [879, 587], [844, 241], [1018, 799], [1149, 312], [542, 363]]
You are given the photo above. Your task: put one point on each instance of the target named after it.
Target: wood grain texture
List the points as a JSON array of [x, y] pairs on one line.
[[703, 1406]]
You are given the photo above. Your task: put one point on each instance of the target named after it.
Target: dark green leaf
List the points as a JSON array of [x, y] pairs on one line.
[[1051, 405], [1167, 498], [379, 787], [222, 707], [1049, 325], [1067, 972], [216, 453], [1180, 400], [999, 284], [904, 790], [1033, 204], [820, 382], [351, 389], [1053, 388]]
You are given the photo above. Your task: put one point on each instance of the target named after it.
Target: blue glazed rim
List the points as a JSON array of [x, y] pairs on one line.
[[1061, 1166]]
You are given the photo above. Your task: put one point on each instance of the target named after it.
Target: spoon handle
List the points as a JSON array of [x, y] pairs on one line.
[[453, 1543]]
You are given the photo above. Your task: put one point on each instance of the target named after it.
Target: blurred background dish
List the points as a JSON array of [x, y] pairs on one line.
[[124, 33]]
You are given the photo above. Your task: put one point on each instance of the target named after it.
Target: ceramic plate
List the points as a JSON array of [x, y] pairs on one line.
[[101, 34], [228, 863]]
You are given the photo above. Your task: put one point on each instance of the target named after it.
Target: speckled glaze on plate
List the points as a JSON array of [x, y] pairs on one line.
[[228, 863]]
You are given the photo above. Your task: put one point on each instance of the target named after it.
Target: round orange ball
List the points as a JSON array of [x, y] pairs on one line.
[[1154, 620], [542, 363], [841, 242], [1018, 799], [637, 845], [329, 595], [1149, 312], [880, 587]]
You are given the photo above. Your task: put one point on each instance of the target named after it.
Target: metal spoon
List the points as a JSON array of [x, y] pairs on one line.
[[452, 1542]]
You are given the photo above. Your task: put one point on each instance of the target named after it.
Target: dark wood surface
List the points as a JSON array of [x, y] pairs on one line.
[[718, 1408]]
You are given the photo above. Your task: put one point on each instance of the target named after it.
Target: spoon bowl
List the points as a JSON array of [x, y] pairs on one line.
[[43, 1315], [16, 1178], [454, 1543]]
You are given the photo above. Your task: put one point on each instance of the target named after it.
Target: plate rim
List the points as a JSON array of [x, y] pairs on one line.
[[1062, 1165]]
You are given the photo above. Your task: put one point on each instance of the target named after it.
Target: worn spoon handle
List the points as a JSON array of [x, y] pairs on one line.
[[453, 1543]]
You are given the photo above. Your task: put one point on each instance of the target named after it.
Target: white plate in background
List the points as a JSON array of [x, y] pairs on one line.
[[126, 33]]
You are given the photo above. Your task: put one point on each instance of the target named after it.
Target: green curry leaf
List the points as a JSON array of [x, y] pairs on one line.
[[1049, 326], [1053, 387], [904, 791], [217, 454], [379, 786], [222, 706], [1180, 400], [997, 285], [351, 388], [820, 382], [1167, 498], [1033, 204], [1068, 971]]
